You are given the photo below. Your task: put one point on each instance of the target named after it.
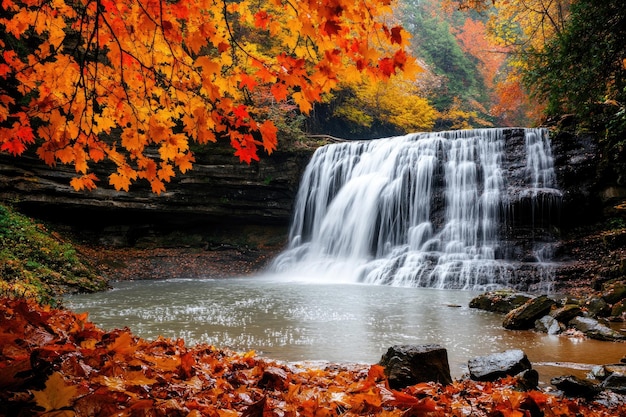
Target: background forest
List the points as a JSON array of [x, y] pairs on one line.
[[503, 64]]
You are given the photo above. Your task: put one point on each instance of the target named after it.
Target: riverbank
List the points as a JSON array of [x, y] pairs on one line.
[[123, 264]]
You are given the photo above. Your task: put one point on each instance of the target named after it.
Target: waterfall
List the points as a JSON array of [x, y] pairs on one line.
[[427, 209]]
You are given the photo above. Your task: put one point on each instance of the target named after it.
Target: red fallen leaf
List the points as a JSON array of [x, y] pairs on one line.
[[187, 362], [376, 373]]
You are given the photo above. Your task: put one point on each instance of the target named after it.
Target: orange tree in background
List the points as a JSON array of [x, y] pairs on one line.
[[134, 81], [521, 29]]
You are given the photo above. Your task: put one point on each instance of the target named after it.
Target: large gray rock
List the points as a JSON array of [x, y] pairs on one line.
[[498, 365], [407, 365], [548, 324], [593, 329], [524, 317]]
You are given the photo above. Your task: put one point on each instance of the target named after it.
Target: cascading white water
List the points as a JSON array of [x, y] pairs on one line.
[[419, 210]]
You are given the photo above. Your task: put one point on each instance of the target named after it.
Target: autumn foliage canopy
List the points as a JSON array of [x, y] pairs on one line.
[[135, 81]]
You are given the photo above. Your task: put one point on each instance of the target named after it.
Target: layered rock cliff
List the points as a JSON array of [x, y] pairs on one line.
[[214, 203]]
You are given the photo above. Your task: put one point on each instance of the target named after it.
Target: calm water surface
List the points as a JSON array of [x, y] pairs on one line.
[[299, 321]]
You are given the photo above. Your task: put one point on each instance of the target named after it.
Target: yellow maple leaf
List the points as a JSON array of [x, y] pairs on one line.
[[302, 102], [56, 395]]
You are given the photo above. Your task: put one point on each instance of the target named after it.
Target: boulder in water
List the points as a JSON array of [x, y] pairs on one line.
[[528, 380], [615, 379], [524, 317], [566, 313], [501, 301], [593, 329], [548, 324], [498, 365], [407, 365]]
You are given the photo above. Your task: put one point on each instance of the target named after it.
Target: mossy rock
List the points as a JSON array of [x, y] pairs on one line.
[[619, 309], [501, 301], [614, 291]]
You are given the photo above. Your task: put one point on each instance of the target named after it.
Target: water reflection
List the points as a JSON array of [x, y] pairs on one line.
[[298, 321]]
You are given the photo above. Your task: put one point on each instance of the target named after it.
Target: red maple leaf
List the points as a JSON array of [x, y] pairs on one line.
[[396, 35], [261, 19], [331, 27], [387, 67]]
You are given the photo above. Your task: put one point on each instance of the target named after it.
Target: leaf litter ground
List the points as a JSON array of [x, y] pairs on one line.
[[54, 362]]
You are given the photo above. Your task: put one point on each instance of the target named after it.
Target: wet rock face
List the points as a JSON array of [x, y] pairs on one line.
[[218, 193], [524, 317], [548, 324], [576, 161], [407, 365], [498, 365]]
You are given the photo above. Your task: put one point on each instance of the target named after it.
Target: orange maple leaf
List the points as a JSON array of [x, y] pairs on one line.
[[157, 186], [119, 182], [279, 91], [85, 182], [57, 393], [184, 162], [247, 82], [268, 132]]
